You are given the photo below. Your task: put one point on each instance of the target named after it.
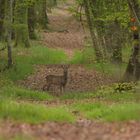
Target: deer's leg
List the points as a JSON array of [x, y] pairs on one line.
[[44, 87], [48, 87], [64, 88], [61, 89]]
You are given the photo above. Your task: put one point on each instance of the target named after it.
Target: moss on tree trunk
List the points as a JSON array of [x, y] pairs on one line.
[[93, 30], [2, 12], [31, 21], [42, 14], [21, 24]]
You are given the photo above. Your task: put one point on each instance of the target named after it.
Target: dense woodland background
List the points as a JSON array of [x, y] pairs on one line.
[[109, 23], [90, 48]]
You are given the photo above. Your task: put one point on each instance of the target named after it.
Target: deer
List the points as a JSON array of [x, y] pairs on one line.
[[60, 81]]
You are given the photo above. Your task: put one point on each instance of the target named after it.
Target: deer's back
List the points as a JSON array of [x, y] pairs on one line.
[[56, 80]]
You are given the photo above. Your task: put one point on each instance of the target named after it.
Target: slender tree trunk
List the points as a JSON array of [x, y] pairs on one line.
[[32, 21], [93, 30], [133, 69], [2, 11], [21, 24], [43, 20], [8, 29], [55, 2], [117, 43]]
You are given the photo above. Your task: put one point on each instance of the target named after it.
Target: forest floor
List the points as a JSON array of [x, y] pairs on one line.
[[89, 110], [65, 33], [81, 130], [80, 79]]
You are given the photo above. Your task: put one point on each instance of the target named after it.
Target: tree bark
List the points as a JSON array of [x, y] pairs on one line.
[[93, 30], [117, 43], [21, 24], [8, 29], [133, 69], [31, 21], [43, 17], [2, 13]]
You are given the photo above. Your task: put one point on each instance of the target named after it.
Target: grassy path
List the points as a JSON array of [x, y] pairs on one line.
[[65, 32]]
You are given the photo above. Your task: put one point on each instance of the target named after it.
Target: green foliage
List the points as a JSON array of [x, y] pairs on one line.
[[33, 113], [106, 104], [114, 112], [87, 56], [26, 59], [78, 96], [105, 93], [123, 87], [108, 94], [19, 93]]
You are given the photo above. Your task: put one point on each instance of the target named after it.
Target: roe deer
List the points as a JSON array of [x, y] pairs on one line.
[[60, 81]]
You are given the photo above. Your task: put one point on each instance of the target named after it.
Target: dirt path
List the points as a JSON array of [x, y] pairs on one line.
[[82, 130], [65, 32]]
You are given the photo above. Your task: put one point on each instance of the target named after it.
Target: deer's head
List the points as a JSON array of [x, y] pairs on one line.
[[65, 67]]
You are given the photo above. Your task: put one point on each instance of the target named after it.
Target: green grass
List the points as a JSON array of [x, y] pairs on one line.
[[87, 58], [84, 57], [10, 90], [19, 93], [17, 137], [126, 52], [78, 96], [33, 113], [25, 60], [105, 94], [113, 112], [107, 105]]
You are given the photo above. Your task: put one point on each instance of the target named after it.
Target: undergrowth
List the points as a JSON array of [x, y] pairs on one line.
[[106, 105], [33, 113], [88, 59], [19, 93], [106, 93], [106, 112], [26, 58], [9, 90]]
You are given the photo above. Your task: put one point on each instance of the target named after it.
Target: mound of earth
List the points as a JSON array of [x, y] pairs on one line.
[[80, 79]]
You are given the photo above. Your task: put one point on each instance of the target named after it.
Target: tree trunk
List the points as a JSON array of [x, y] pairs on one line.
[[8, 28], [133, 69], [2, 10], [21, 24], [32, 21], [117, 43], [93, 30], [43, 18]]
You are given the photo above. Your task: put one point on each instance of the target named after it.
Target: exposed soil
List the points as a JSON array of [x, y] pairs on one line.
[[80, 79], [82, 130], [65, 32]]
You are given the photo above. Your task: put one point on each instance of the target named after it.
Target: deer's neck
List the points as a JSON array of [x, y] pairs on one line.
[[65, 76]]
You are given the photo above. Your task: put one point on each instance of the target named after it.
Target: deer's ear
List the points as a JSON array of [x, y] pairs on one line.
[[62, 65]]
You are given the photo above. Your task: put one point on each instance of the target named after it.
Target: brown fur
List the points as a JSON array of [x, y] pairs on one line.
[[61, 81]]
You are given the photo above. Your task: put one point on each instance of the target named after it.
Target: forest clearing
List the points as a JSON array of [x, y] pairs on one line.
[[69, 70]]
